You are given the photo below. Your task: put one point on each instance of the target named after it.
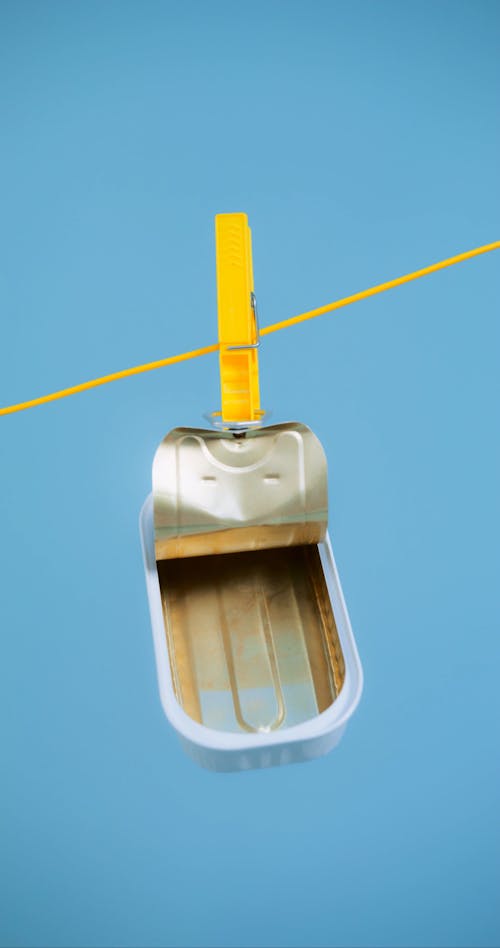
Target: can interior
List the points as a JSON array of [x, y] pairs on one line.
[[252, 639]]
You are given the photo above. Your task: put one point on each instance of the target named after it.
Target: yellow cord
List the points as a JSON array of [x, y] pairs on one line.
[[380, 288], [284, 324], [84, 386]]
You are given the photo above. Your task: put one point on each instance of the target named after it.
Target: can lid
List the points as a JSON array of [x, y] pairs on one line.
[[217, 493]]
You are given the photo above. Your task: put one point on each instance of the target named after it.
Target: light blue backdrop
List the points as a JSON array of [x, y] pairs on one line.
[[361, 140]]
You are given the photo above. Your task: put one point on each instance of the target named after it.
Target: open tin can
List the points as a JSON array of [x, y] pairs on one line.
[[255, 655]]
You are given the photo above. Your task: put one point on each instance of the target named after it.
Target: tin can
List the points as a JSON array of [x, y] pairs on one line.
[[256, 659]]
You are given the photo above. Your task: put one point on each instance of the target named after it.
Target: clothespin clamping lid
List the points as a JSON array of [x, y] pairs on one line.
[[238, 325]]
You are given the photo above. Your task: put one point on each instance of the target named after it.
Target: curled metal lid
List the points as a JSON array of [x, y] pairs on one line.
[[217, 493]]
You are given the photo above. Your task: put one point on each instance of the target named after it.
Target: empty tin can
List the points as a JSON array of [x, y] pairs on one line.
[[256, 659]]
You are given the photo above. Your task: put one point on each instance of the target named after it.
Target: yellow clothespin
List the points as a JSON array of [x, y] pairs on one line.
[[238, 324]]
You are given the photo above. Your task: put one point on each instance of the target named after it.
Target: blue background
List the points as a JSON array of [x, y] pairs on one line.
[[361, 139]]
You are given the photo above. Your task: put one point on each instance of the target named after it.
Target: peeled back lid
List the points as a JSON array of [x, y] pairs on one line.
[[217, 493]]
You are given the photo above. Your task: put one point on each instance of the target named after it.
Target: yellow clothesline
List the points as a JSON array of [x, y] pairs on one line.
[[265, 331]]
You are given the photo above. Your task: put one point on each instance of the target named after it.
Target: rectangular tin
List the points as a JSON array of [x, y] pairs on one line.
[[256, 661]]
